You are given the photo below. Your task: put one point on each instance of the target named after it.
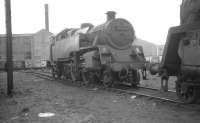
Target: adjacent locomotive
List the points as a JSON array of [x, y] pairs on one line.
[[98, 54], [182, 51]]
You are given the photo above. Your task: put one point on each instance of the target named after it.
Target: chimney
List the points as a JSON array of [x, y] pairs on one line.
[[46, 17], [110, 15]]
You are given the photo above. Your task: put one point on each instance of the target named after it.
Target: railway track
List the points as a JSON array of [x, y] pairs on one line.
[[149, 92], [153, 93], [41, 75]]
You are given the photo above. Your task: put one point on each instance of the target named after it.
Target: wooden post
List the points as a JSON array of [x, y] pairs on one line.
[[9, 63]]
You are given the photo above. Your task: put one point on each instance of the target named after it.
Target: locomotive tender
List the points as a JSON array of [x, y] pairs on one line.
[[98, 54]]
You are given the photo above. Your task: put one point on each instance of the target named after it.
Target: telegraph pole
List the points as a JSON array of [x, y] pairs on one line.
[[9, 63], [46, 17]]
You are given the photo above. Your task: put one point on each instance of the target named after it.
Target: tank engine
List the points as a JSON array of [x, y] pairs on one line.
[[182, 51], [98, 54]]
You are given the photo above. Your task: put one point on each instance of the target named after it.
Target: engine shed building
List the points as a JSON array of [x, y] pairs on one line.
[[29, 50], [152, 52]]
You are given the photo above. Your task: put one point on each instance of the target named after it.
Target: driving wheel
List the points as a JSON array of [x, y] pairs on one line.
[[107, 78], [187, 94]]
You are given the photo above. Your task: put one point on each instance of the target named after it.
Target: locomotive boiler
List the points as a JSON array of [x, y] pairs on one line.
[[181, 56], [102, 53]]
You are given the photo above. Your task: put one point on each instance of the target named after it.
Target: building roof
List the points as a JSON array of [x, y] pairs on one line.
[[24, 34], [150, 49], [17, 35]]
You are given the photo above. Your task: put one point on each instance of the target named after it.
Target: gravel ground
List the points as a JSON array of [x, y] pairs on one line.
[[71, 104]]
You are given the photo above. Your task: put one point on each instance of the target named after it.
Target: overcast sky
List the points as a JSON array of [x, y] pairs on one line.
[[151, 19]]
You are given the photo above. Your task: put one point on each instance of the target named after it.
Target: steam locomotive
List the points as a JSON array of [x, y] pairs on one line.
[[102, 53], [182, 51]]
